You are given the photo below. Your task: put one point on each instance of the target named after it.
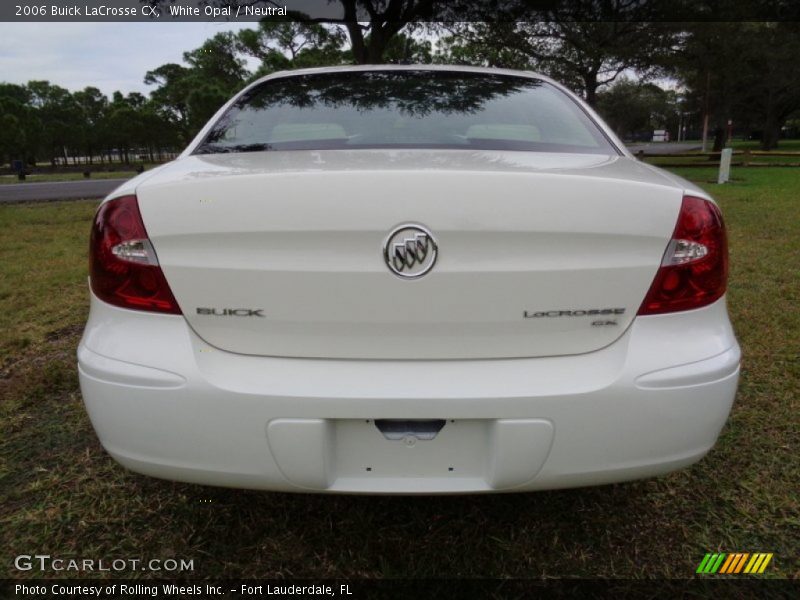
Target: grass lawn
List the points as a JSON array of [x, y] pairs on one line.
[[40, 178], [697, 159], [792, 145], [755, 161], [783, 145], [116, 171], [47, 177], [60, 494]]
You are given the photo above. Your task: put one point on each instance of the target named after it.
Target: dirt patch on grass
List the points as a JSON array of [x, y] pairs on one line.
[[62, 332]]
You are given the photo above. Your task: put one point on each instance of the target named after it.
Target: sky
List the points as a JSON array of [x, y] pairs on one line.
[[108, 56]]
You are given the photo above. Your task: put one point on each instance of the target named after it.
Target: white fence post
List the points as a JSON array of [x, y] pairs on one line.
[[725, 165]]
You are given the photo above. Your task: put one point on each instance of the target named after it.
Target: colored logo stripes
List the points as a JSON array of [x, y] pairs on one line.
[[734, 563]]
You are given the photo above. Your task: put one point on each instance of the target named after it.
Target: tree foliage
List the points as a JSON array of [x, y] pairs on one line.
[[42, 121], [744, 72], [584, 55], [633, 108], [283, 45], [191, 94], [606, 50]]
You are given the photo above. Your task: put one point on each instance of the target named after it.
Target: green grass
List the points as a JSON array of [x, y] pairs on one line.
[[698, 159], [792, 145], [40, 178], [783, 145], [61, 494], [701, 160], [49, 177], [43, 274], [115, 171]]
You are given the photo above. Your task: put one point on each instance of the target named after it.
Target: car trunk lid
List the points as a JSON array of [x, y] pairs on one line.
[[282, 253]]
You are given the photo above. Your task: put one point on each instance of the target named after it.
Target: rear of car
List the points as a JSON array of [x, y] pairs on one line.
[[407, 280]]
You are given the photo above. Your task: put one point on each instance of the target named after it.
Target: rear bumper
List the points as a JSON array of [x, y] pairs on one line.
[[166, 404]]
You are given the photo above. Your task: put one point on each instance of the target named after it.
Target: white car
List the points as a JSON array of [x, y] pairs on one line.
[[407, 279]]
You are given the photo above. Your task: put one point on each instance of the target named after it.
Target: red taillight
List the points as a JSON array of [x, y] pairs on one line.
[[694, 270], [123, 266]]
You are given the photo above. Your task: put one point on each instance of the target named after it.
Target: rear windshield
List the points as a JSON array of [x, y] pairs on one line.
[[405, 109]]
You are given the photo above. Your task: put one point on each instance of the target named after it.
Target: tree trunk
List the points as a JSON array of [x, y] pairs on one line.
[[719, 138], [375, 53], [377, 46], [771, 133], [770, 137], [591, 96], [383, 27], [355, 32], [590, 86]]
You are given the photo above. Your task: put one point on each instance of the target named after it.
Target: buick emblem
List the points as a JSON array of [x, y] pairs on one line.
[[410, 251]]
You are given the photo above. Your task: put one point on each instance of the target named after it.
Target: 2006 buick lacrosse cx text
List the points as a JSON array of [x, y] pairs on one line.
[[403, 279]]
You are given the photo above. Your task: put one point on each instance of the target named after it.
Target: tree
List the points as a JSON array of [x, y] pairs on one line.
[[215, 73], [124, 124], [170, 97], [371, 25], [217, 60], [161, 131], [769, 89], [404, 49], [744, 72], [290, 45], [632, 107], [42, 120], [20, 126], [371, 38], [189, 96], [584, 55], [93, 106], [60, 116]]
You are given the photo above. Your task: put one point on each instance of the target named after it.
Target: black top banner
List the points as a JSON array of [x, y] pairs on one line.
[[348, 11]]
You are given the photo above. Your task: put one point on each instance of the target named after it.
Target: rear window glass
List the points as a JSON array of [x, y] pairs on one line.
[[405, 109]]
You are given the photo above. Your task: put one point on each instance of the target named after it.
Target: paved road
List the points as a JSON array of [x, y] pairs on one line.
[[57, 190], [664, 147]]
